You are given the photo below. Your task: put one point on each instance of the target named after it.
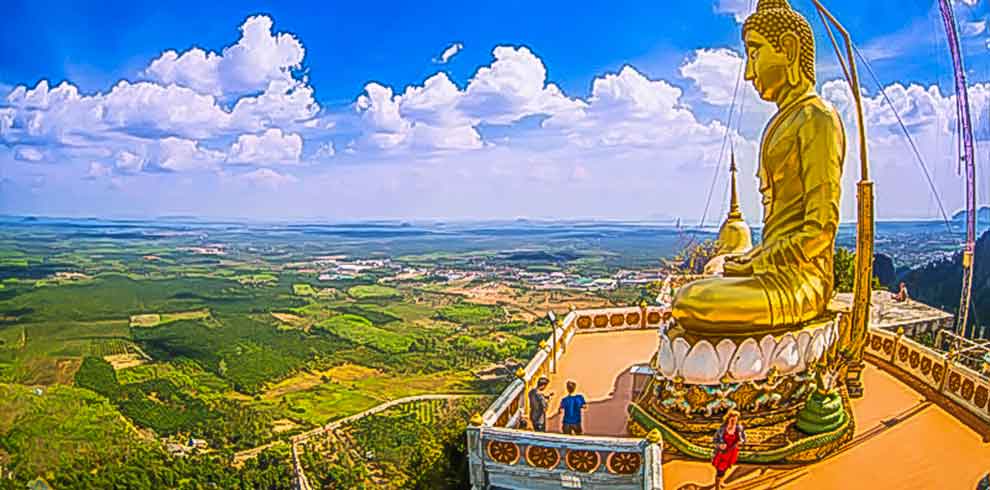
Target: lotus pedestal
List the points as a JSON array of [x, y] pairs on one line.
[[768, 379]]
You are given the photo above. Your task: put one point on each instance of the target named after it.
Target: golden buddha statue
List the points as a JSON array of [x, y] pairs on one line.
[[787, 279]]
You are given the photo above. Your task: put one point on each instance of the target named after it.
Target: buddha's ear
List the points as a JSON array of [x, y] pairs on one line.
[[791, 47]]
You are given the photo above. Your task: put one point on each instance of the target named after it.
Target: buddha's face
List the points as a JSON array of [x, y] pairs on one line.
[[766, 67]]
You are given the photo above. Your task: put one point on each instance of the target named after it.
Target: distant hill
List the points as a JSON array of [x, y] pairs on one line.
[[982, 214], [938, 283]]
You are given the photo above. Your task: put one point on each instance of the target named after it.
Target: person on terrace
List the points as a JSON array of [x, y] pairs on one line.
[[571, 406], [538, 403], [902, 293], [727, 440]]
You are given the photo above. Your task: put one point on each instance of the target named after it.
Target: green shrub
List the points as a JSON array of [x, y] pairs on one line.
[[98, 375], [469, 313], [359, 330], [373, 291]]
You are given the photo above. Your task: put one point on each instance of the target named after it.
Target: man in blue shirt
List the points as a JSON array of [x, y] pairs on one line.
[[572, 405]]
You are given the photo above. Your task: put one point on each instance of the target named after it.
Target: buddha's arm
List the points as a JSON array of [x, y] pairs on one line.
[[821, 143]]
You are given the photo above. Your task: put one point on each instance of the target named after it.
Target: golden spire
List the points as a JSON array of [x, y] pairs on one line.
[[734, 236], [734, 212]]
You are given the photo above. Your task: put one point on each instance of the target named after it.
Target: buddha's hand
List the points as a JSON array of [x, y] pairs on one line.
[[715, 265], [737, 266]]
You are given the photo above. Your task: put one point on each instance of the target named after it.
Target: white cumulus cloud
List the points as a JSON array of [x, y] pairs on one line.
[[740, 9], [178, 155], [258, 58], [269, 148], [715, 71], [449, 53]]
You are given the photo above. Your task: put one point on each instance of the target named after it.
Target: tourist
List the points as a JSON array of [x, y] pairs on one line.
[[902, 295], [727, 441], [572, 405], [538, 402]]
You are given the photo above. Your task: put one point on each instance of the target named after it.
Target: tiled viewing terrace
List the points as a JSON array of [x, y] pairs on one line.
[[904, 439]]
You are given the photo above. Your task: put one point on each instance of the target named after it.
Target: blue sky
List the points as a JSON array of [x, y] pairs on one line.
[[344, 111]]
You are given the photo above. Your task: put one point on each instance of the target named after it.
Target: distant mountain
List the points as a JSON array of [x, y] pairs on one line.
[[939, 282], [883, 268], [982, 214]]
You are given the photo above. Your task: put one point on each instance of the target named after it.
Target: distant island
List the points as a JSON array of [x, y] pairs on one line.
[[982, 214]]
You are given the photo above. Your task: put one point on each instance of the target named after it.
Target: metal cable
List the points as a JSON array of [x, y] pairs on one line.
[[721, 152], [907, 134]]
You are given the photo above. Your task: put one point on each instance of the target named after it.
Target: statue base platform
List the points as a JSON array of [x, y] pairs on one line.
[[768, 379], [770, 440]]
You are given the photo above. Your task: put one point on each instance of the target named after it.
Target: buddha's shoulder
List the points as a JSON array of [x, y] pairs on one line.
[[815, 107]]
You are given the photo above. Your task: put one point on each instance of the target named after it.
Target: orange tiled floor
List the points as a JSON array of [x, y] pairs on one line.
[[901, 442]]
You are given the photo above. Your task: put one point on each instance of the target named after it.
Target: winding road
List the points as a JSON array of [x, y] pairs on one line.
[[302, 483]]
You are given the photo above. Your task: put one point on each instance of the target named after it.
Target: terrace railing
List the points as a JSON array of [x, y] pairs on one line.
[[509, 408], [502, 456], [961, 391]]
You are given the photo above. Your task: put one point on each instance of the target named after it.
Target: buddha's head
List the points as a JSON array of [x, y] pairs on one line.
[[780, 49]]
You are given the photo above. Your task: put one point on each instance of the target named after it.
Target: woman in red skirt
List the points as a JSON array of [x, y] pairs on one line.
[[727, 441]]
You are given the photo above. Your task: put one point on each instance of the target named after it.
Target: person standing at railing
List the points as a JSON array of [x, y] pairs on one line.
[[728, 438], [902, 293], [572, 405], [538, 403]]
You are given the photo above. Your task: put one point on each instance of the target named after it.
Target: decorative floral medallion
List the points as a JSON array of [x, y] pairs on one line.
[[914, 359], [542, 457], [926, 365], [981, 396], [876, 342], [503, 452], [582, 460], [967, 389], [902, 353], [617, 320], [653, 317], [632, 318], [888, 346], [624, 463], [584, 322], [937, 372], [954, 381], [601, 321]]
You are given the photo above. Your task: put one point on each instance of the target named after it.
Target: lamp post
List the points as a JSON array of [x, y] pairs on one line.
[[553, 343]]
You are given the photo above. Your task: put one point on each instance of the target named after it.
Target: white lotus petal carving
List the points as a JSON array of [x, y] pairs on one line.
[[748, 362], [701, 365], [681, 349], [767, 347], [786, 358], [666, 355], [803, 340], [725, 349], [817, 347], [705, 363]]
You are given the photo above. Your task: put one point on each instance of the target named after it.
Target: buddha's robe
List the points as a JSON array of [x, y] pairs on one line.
[[800, 176]]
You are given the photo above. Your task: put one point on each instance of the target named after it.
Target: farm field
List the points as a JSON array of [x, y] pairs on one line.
[[243, 340]]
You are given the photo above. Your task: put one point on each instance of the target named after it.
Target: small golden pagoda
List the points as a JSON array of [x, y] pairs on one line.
[[734, 237]]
